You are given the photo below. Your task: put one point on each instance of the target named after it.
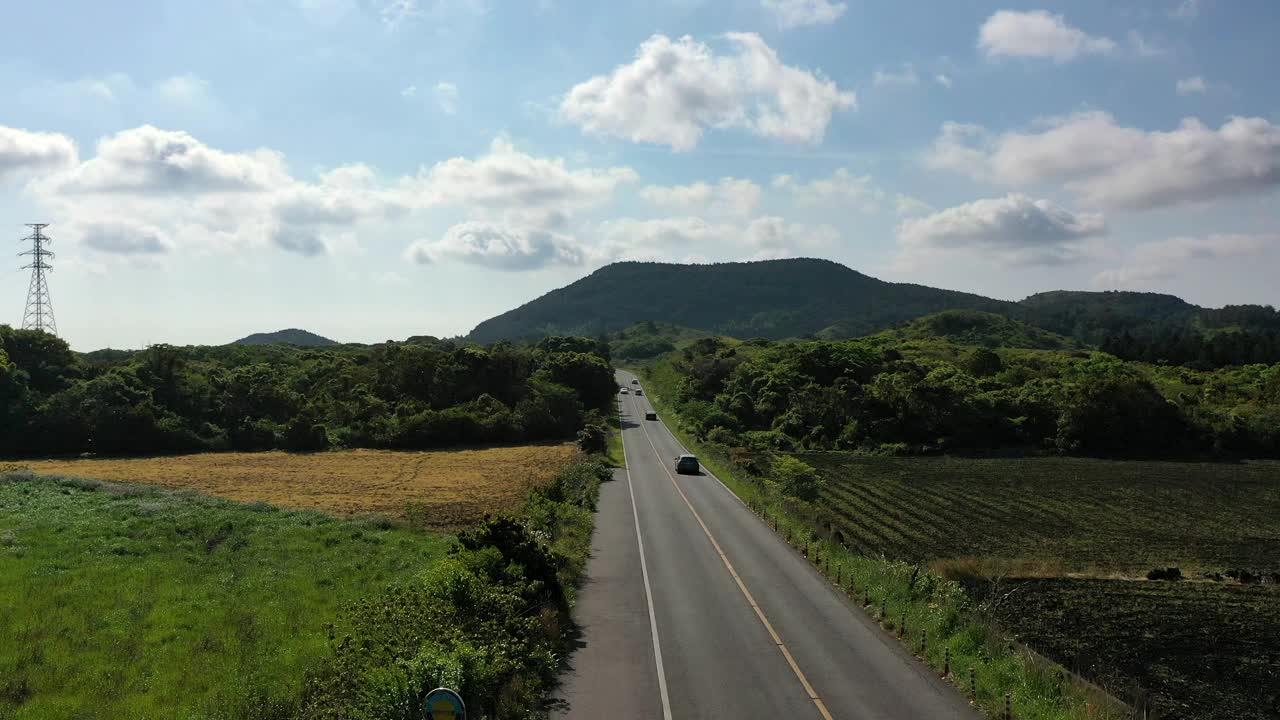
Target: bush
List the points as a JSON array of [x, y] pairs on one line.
[[1172, 574], [302, 435], [593, 439], [796, 478]]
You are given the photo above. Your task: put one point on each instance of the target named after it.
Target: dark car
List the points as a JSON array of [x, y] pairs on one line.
[[650, 415], [639, 391], [687, 465], [635, 381]]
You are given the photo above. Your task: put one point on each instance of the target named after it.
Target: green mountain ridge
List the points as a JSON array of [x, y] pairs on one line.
[[808, 297], [288, 336]]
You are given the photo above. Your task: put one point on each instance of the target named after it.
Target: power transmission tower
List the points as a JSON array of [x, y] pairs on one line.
[[39, 313]]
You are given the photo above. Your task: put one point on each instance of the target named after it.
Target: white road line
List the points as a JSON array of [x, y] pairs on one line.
[[644, 572], [777, 640]]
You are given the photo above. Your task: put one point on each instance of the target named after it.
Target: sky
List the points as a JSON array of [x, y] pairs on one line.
[[375, 169]]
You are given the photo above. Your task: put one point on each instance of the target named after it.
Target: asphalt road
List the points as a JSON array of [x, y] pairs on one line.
[[694, 608]]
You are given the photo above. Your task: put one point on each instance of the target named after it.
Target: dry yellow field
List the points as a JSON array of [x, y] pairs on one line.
[[453, 486]]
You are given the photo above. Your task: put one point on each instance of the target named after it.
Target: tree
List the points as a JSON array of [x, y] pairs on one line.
[[796, 478], [587, 374]]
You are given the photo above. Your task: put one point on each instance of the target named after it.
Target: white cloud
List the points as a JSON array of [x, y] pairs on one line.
[[795, 13], [842, 189], [447, 97], [1144, 48], [943, 80], [1164, 258], [497, 246], [23, 152], [774, 237], [151, 160], [658, 238], [906, 205], [1109, 165], [507, 177], [1038, 34], [903, 77], [675, 90], [216, 200], [1186, 10], [409, 92], [187, 90], [1191, 86], [1013, 230], [731, 196], [125, 239]]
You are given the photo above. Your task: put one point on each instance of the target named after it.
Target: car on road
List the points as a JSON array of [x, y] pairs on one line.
[[650, 415], [687, 465], [639, 391], [625, 391], [635, 381]]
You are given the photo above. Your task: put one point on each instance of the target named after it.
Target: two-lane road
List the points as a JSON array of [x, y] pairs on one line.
[[693, 608]]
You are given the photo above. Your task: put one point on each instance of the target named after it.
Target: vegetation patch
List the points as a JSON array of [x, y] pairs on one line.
[[125, 601], [433, 489]]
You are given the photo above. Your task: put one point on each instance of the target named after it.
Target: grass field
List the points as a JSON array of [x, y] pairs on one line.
[[1203, 650], [441, 489], [1055, 516], [127, 601]]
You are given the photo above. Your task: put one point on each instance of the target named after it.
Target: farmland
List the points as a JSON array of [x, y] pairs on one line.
[[441, 489], [126, 601], [1051, 547], [1052, 515], [1203, 650]]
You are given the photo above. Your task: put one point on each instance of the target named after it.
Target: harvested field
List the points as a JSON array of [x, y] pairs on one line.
[[444, 488], [1202, 650]]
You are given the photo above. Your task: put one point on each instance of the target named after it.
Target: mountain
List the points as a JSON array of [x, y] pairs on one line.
[[775, 299], [973, 327], [1094, 316], [291, 336], [779, 299]]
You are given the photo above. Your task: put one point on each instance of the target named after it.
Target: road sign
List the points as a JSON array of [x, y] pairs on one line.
[[444, 704]]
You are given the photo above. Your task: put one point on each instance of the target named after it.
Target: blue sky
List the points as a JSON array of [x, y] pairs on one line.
[[373, 169]]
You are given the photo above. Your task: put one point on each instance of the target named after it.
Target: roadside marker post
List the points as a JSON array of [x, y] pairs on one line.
[[973, 684], [444, 704]]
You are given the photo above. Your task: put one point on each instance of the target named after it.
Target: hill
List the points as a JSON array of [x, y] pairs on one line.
[[775, 299], [973, 327], [291, 336]]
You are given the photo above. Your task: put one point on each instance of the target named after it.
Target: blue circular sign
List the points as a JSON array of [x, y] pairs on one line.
[[444, 704]]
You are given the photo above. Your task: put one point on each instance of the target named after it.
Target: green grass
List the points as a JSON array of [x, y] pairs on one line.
[[906, 595], [613, 452], [1057, 514], [119, 601]]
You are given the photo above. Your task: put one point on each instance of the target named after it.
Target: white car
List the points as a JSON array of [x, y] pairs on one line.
[[624, 391]]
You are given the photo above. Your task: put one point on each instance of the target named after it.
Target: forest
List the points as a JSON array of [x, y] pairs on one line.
[[884, 395], [167, 399]]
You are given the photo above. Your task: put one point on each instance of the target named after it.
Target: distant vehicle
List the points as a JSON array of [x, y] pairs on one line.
[[635, 381], [624, 391], [639, 391], [650, 415], [687, 465]]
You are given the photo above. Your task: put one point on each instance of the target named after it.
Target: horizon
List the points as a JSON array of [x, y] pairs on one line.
[[390, 168]]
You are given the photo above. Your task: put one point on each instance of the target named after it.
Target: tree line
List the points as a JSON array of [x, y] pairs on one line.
[[428, 393], [882, 396]]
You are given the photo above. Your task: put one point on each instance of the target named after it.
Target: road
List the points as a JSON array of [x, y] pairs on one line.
[[694, 608]]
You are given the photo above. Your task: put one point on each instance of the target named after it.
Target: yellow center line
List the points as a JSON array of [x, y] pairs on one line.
[[777, 639]]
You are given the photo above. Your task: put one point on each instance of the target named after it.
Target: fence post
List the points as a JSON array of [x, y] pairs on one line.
[[973, 684], [946, 663], [902, 626], [884, 608], [838, 574], [924, 643], [1008, 706]]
